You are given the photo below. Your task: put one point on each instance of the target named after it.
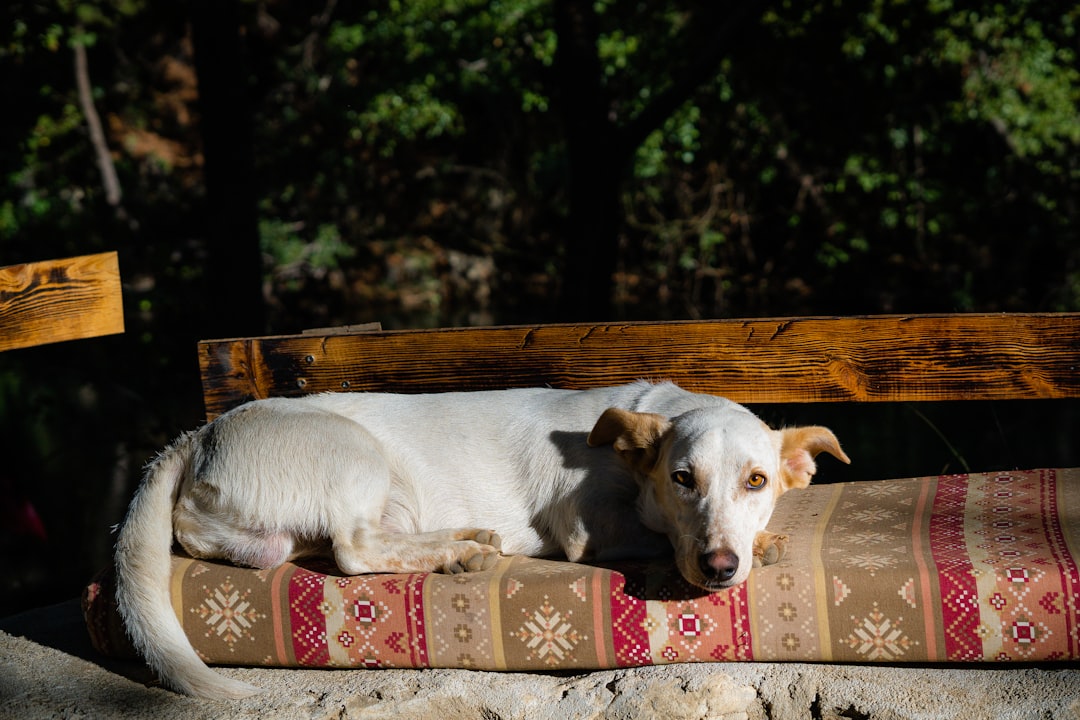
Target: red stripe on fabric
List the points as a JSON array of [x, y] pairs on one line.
[[414, 600], [740, 622], [1067, 566], [628, 614], [959, 593], [308, 619]]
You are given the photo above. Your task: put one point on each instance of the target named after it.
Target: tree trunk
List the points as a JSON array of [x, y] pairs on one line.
[[595, 169], [600, 149], [234, 280]]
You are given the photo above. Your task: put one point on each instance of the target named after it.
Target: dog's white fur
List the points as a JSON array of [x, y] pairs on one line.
[[416, 483]]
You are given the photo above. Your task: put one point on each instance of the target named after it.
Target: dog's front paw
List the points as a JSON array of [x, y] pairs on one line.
[[483, 557], [489, 538], [769, 548], [480, 552]]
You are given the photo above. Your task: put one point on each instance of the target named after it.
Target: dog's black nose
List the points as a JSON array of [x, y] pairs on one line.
[[719, 565]]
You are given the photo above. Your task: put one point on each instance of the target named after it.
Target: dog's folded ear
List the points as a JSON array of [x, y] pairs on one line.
[[633, 435], [798, 449]]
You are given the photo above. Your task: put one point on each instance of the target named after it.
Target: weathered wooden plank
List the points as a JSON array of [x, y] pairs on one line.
[[880, 358], [57, 300]]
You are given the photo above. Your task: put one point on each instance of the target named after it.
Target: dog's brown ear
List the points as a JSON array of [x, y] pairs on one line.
[[634, 435], [799, 448]]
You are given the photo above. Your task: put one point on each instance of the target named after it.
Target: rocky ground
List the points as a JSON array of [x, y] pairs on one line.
[[49, 670]]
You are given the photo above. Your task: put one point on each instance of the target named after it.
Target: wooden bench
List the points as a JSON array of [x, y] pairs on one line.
[[792, 360], [973, 568], [57, 300]]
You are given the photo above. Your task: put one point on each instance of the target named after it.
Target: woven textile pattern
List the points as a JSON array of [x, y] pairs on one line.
[[955, 569]]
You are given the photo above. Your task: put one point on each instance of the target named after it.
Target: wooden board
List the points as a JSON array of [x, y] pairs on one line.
[[881, 358], [57, 300]]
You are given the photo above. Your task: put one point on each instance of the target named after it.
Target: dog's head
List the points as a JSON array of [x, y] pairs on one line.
[[711, 477]]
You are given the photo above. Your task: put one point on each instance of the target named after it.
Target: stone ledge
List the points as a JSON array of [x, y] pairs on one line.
[[49, 670]]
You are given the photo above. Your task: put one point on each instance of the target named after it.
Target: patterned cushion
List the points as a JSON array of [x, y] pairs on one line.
[[957, 569]]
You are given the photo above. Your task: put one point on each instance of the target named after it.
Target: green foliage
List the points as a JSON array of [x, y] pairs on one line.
[[832, 140], [407, 115], [1018, 74], [293, 256], [672, 146], [904, 137]]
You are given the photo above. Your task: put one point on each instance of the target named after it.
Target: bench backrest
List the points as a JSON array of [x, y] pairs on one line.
[[792, 360], [57, 300]]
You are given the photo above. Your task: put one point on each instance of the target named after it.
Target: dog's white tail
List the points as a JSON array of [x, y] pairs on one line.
[[143, 569]]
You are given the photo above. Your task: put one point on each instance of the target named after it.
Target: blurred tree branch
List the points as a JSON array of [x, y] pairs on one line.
[[109, 179]]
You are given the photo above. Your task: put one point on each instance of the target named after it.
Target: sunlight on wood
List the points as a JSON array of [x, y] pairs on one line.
[[57, 300]]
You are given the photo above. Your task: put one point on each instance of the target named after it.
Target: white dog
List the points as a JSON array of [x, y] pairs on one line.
[[444, 482]]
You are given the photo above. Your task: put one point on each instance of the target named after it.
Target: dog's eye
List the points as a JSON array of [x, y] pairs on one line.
[[683, 478], [756, 481]]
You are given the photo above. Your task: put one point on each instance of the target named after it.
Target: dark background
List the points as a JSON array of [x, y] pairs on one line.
[[265, 167]]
